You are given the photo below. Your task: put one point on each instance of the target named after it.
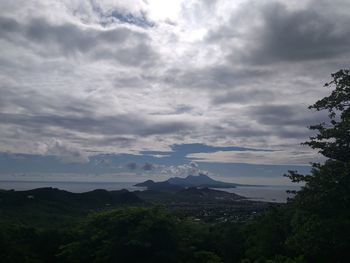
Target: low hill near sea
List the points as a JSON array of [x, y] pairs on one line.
[[51, 206], [177, 183], [89, 199], [54, 208], [190, 196]]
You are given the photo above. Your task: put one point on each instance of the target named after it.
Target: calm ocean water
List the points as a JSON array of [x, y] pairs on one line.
[[262, 193], [268, 193]]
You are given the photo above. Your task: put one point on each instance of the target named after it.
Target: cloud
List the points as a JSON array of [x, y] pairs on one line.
[[214, 77], [243, 96], [131, 166], [123, 124], [285, 115], [283, 157], [276, 31], [148, 167], [184, 170], [299, 35], [110, 13], [121, 44], [64, 152]]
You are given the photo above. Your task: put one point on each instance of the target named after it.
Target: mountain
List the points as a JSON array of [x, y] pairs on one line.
[[200, 180], [174, 183], [160, 186]]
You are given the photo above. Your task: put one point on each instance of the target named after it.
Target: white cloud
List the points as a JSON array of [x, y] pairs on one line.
[[182, 170], [65, 152]]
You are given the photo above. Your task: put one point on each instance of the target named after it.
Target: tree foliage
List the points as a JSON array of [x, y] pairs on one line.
[[320, 224], [315, 224], [333, 137], [137, 234]]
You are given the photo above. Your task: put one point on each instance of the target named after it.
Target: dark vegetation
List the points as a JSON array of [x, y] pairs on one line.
[[187, 225], [41, 206], [206, 205], [49, 225]]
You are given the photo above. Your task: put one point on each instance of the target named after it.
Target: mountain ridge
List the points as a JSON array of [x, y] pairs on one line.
[[176, 183]]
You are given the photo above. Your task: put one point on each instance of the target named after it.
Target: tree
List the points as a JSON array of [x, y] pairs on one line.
[[321, 210], [333, 138], [129, 234], [315, 224]]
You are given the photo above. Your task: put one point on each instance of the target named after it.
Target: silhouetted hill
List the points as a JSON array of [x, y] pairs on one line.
[[51, 206], [160, 186], [48, 194]]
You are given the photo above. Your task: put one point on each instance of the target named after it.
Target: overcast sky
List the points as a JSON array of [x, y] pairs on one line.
[[165, 87]]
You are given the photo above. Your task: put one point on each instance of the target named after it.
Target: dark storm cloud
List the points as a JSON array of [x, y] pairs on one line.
[[245, 131], [284, 121], [68, 39], [242, 96], [148, 167], [285, 115], [300, 35], [140, 54], [290, 133], [15, 96], [285, 34], [110, 140], [261, 132], [122, 124], [131, 166], [214, 77]]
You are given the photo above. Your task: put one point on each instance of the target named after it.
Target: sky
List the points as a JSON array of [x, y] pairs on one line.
[[129, 90]]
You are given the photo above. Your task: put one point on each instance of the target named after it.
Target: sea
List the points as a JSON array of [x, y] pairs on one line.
[[266, 193]]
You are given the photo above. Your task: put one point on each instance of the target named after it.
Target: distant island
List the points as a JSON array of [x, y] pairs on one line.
[[177, 183]]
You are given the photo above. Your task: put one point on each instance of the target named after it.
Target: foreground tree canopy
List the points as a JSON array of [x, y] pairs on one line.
[[315, 226], [333, 137], [321, 219]]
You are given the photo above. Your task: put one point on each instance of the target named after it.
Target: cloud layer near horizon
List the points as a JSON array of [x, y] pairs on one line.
[[80, 78]]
